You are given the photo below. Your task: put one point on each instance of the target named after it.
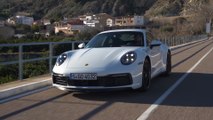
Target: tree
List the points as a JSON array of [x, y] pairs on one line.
[[200, 11], [35, 28]]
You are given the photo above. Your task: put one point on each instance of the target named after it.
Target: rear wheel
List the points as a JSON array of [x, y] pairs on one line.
[[168, 64], [146, 76]]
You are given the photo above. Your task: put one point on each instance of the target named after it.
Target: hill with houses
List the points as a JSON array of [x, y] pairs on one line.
[[71, 16]]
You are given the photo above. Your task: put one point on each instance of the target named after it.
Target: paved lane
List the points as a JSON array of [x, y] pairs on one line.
[[126, 105], [193, 99]]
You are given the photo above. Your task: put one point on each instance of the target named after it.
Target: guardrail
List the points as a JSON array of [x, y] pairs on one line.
[[173, 41], [50, 57], [21, 60]]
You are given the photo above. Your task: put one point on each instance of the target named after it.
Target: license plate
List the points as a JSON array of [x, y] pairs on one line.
[[83, 76]]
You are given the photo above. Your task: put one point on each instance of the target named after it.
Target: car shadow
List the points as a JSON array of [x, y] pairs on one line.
[[187, 48], [193, 91], [192, 55]]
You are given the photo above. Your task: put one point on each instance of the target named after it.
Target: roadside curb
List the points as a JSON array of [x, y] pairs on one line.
[[24, 88]]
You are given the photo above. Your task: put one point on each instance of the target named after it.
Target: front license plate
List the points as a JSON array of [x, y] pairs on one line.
[[83, 76]]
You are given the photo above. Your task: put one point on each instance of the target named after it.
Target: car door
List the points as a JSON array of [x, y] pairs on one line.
[[155, 55]]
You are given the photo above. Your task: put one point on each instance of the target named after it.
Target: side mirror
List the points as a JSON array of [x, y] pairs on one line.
[[155, 43], [82, 45]]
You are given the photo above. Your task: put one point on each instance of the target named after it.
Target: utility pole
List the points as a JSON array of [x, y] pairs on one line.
[[208, 26]]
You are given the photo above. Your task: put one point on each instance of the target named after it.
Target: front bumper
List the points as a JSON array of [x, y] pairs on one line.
[[106, 82]]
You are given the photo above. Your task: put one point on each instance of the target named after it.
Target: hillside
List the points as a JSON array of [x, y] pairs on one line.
[[167, 8], [57, 9], [173, 7]]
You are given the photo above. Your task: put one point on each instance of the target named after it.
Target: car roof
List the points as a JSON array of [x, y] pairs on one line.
[[124, 30]]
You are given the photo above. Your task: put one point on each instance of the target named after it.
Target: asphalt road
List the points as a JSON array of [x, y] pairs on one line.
[[192, 99]]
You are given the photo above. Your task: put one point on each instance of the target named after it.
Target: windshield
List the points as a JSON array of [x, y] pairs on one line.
[[117, 39]]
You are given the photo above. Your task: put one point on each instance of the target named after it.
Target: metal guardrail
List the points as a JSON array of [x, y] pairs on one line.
[[170, 41], [173, 41], [21, 60]]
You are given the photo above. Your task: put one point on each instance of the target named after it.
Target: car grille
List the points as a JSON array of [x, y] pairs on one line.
[[59, 79], [107, 81]]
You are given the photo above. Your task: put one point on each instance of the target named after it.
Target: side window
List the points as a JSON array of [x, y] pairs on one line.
[[138, 39], [148, 38]]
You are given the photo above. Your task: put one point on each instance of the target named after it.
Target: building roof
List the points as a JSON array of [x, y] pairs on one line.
[[75, 22]]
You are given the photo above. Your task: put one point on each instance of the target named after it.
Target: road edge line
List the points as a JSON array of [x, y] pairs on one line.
[[4, 100], [24, 88]]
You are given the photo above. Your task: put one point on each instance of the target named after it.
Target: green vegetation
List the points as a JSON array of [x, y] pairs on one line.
[[35, 69], [9, 73]]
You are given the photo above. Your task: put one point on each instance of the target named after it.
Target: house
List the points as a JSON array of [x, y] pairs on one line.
[[129, 21], [71, 27], [46, 22], [76, 25], [138, 20], [19, 36], [11, 21], [37, 22], [89, 20], [24, 20], [110, 22], [97, 20], [62, 27], [119, 21]]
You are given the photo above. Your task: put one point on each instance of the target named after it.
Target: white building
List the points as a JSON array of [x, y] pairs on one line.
[[24, 20], [138, 20], [11, 21], [46, 22], [91, 20], [110, 22], [129, 21], [97, 20], [72, 27]]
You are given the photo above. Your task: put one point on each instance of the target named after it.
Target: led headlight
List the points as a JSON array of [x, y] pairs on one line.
[[61, 59], [128, 58]]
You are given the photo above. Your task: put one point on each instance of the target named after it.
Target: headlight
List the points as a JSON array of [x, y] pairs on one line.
[[61, 59], [128, 58]]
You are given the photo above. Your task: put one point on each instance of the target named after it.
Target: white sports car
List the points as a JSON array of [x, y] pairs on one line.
[[114, 59]]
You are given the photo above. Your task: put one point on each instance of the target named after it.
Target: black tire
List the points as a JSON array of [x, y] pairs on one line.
[[146, 76], [168, 64]]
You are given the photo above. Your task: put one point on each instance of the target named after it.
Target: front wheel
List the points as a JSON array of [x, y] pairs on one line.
[[146, 76]]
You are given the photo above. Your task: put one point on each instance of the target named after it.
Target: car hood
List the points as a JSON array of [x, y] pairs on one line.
[[97, 57]]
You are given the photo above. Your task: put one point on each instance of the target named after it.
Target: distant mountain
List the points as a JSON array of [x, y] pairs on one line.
[[57, 9]]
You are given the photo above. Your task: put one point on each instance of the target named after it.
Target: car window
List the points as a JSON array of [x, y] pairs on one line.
[[117, 39], [149, 38]]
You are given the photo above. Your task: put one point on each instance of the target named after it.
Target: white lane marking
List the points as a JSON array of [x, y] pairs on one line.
[[24, 94], [25, 85], [155, 105]]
